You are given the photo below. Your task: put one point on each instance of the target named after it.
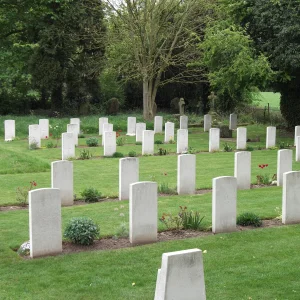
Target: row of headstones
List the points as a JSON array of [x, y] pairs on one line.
[[232, 122], [45, 211]]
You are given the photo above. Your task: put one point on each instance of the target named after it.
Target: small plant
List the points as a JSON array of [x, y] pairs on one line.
[[118, 154], [56, 131], [249, 148], [190, 219], [81, 136], [249, 219], [278, 211], [33, 146], [85, 154], [283, 145], [227, 148], [82, 231], [138, 143], [49, 145], [132, 154], [158, 142], [164, 188], [162, 151], [90, 195], [92, 142], [259, 148], [120, 141], [171, 221], [122, 231], [171, 141], [22, 193], [192, 150], [265, 179]]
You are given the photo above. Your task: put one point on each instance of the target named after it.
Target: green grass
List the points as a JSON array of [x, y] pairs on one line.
[[269, 97], [261, 264]]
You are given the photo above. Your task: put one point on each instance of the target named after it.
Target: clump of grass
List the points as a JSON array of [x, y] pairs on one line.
[[92, 142], [164, 188], [120, 141], [118, 155], [85, 154], [138, 143], [90, 195], [158, 142], [249, 219], [132, 154], [227, 148]]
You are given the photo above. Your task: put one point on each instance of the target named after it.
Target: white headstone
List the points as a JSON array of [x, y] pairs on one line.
[[143, 212], [297, 133], [298, 148], [44, 128], [207, 122], [62, 178], [291, 197], [271, 137], [101, 122], [214, 139], [140, 127], [107, 127], [45, 222], [34, 135], [186, 174], [67, 145], [131, 122], [169, 132], [128, 174], [241, 138], [76, 121], [9, 130], [181, 276], [110, 146], [284, 164], [73, 128], [158, 124], [224, 198], [184, 122], [148, 142], [232, 121], [182, 140], [242, 169]]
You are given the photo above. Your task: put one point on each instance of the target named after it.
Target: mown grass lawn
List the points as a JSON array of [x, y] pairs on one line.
[[269, 97], [256, 264]]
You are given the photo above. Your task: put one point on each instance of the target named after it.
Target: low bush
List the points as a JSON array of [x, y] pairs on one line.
[[91, 195], [164, 188], [92, 142], [120, 141], [132, 154], [85, 154], [158, 142], [50, 144], [118, 155], [227, 147], [138, 143], [249, 218], [82, 231], [33, 146]]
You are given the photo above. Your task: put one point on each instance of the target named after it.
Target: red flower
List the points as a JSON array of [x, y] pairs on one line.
[[266, 165], [50, 134], [46, 136], [259, 166]]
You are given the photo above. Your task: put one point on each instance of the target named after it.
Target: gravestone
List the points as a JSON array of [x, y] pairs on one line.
[[158, 124], [62, 178], [297, 133], [109, 143], [148, 142], [181, 105], [181, 276], [182, 140], [44, 128], [143, 212], [271, 137], [186, 174], [102, 121], [184, 122], [107, 127], [207, 122], [214, 139], [242, 169], [224, 195], [284, 164], [225, 132], [67, 145], [76, 121], [232, 121], [73, 128], [128, 174], [131, 122], [291, 198], [45, 222], [34, 135], [140, 127], [169, 132], [241, 138], [9, 130]]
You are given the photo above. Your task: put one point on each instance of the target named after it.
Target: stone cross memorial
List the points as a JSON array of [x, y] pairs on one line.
[[45, 222], [181, 276]]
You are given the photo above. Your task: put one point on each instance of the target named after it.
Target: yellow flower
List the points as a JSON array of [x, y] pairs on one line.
[[133, 284]]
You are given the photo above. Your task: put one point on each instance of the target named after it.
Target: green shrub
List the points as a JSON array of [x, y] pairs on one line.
[[82, 231], [120, 141], [227, 148], [118, 154], [122, 231], [92, 142], [132, 154], [91, 195], [249, 218], [85, 154], [81, 136], [112, 106], [164, 188], [158, 142], [283, 145], [49, 145], [249, 148], [162, 151], [33, 146], [138, 143], [191, 220]]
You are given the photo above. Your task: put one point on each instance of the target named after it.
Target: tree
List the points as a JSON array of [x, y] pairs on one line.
[[147, 37], [274, 25], [235, 71]]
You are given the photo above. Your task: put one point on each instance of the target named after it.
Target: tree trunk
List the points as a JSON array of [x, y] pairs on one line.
[[149, 95]]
